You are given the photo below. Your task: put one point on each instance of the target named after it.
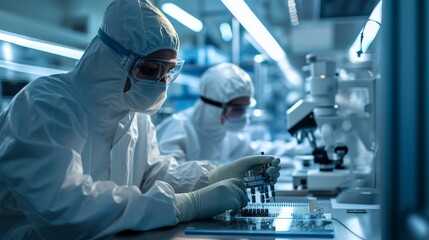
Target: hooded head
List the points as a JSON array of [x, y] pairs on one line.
[[139, 29], [221, 84], [139, 26], [225, 82], [148, 33]]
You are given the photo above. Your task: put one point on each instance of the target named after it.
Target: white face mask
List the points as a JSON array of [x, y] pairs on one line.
[[236, 124], [146, 96]]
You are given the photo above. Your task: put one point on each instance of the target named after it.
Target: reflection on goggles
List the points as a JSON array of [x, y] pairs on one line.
[[157, 69], [230, 110], [146, 68], [235, 111]]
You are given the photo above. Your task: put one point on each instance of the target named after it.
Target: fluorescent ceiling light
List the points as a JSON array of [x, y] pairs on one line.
[[182, 16], [7, 51], [30, 69], [292, 76], [263, 38], [369, 30], [41, 45], [226, 32], [253, 42], [257, 30]]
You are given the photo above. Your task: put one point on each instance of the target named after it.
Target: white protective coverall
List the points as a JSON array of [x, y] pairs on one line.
[[197, 132], [72, 153]]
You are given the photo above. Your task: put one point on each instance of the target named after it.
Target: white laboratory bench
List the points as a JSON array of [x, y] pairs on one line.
[[366, 225]]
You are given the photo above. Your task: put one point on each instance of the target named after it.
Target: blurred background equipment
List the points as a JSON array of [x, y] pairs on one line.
[[338, 121], [34, 43], [212, 32], [256, 35]]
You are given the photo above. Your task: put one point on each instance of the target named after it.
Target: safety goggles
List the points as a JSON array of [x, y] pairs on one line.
[[146, 68], [230, 111], [235, 111], [157, 69]]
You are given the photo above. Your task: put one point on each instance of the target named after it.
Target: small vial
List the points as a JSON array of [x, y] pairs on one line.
[[273, 192], [252, 191], [267, 196], [261, 196]]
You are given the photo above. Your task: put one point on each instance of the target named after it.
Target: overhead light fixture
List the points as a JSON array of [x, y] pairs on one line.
[[263, 38], [293, 12], [367, 35], [40, 45], [7, 51], [257, 30], [226, 32], [30, 69], [182, 16]]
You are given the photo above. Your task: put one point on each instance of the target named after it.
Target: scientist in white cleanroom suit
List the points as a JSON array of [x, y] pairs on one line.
[[213, 128], [78, 153]]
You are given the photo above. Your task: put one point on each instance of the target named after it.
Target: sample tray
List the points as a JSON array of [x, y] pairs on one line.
[[268, 219]]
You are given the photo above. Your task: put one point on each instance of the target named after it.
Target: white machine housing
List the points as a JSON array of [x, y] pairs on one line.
[[355, 129]]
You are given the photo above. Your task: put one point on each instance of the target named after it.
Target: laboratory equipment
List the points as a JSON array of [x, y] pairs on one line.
[[288, 219], [257, 178], [342, 131]]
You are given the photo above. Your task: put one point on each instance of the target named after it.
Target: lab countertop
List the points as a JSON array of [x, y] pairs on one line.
[[365, 225]]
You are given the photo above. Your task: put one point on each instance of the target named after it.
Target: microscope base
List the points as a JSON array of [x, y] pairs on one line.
[[359, 195], [316, 180]]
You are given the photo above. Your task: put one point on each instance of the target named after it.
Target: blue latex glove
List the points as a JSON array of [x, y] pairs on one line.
[[239, 167], [229, 194]]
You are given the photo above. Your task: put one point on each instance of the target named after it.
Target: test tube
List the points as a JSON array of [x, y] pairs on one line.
[[273, 192], [261, 191], [252, 191], [267, 196]]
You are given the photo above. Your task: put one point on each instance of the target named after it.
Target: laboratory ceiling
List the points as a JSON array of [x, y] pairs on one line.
[[318, 26]]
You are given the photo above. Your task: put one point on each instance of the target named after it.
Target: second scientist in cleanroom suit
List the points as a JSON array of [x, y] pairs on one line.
[[79, 158], [212, 129]]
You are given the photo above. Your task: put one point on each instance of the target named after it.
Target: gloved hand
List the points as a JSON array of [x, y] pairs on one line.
[[212, 200], [239, 167]]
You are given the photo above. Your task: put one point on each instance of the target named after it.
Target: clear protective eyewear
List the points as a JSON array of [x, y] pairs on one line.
[[157, 69], [233, 111], [146, 68]]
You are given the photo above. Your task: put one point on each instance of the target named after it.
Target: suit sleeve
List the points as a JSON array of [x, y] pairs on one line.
[[41, 168]]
